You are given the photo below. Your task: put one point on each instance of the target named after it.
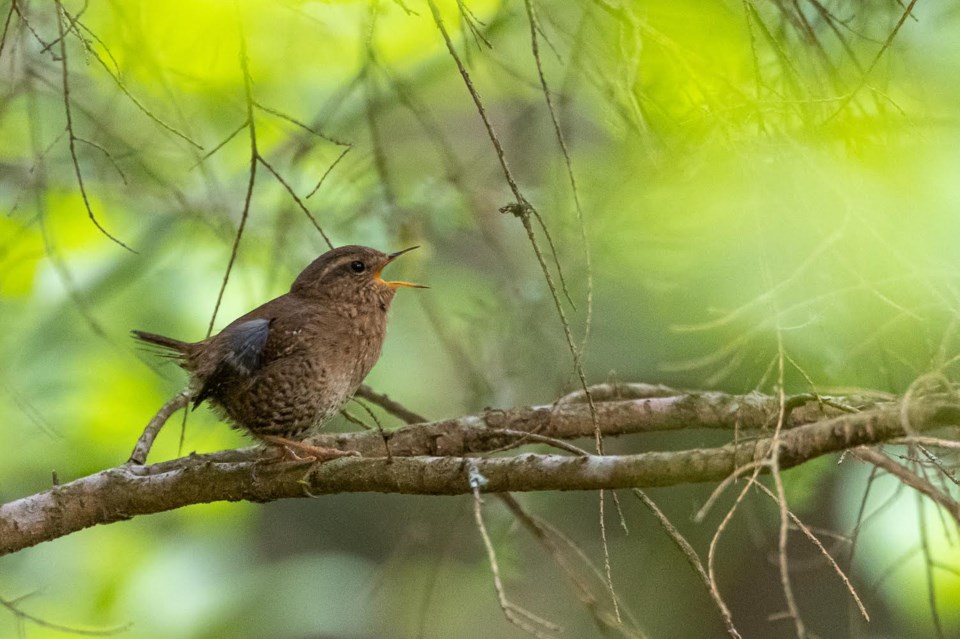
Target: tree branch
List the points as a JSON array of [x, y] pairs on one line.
[[433, 458]]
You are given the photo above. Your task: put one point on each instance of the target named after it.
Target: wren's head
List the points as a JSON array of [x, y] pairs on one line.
[[350, 273]]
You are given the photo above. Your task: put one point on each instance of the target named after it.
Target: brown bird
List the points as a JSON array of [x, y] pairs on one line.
[[286, 367]]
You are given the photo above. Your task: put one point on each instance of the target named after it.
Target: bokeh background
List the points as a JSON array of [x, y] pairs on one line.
[[753, 176]]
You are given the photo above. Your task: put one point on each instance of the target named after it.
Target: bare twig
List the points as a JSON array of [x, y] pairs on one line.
[[715, 539], [40, 202], [296, 199], [305, 127], [928, 565], [145, 443], [692, 558], [876, 58], [823, 551], [522, 438], [908, 478], [782, 557], [393, 407], [71, 135], [520, 617], [6, 26], [330, 168], [113, 162], [25, 617], [568, 163], [383, 433], [560, 547], [115, 76], [254, 157], [222, 144], [522, 209]]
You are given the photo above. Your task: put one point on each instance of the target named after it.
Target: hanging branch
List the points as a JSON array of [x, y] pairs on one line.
[[251, 126], [72, 138], [256, 158]]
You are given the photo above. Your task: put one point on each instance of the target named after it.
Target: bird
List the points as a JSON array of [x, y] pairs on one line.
[[282, 370]]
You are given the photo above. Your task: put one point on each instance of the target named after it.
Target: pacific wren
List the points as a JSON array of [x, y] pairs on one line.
[[286, 367]]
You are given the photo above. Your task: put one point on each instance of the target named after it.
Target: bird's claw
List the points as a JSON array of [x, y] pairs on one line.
[[309, 453]]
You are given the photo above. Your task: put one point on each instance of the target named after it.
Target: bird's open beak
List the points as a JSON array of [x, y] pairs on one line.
[[391, 257]]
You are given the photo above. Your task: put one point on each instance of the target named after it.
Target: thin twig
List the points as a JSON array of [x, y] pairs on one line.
[[521, 618], [145, 443], [222, 144], [296, 198], [692, 558], [116, 78], [40, 186], [568, 163], [553, 541], [523, 437], [392, 406], [873, 63], [305, 127], [607, 565], [6, 25], [783, 534], [320, 134], [522, 210], [754, 466], [383, 434], [21, 616], [910, 479], [107, 153], [931, 582], [254, 157], [330, 168], [715, 539], [71, 135], [823, 551]]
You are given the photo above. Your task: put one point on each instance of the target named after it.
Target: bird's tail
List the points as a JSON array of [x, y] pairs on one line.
[[180, 349]]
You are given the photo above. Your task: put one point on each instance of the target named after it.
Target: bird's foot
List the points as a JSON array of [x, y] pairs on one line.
[[310, 454]]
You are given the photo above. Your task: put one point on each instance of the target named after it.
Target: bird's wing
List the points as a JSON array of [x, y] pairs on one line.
[[243, 346]]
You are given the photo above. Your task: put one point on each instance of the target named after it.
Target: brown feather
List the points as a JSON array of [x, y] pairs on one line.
[[324, 337]]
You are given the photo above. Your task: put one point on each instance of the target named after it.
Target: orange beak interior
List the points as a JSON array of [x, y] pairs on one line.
[[396, 284]]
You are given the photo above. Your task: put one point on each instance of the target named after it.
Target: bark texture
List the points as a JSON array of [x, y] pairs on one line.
[[443, 457]]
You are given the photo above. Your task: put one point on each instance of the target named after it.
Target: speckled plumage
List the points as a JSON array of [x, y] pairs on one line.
[[288, 366]]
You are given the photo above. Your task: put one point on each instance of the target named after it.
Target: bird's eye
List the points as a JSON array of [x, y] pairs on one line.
[[357, 266]]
